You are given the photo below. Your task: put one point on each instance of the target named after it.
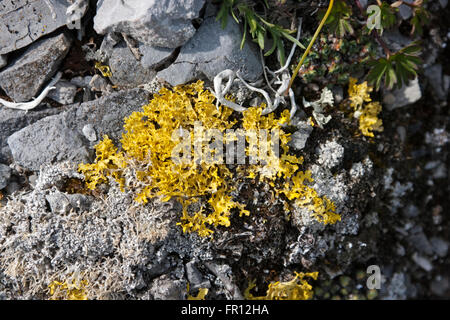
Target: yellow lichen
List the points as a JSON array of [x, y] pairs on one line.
[[367, 114], [170, 125], [296, 289], [68, 290], [202, 292], [104, 70]]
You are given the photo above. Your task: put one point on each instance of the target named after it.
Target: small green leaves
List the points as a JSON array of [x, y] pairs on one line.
[[257, 26], [421, 17], [339, 20], [397, 69]]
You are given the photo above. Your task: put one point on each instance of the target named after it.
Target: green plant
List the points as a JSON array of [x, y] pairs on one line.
[[257, 26], [397, 68], [339, 21]]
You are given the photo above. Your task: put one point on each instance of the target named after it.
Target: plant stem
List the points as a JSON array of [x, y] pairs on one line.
[[305, 54]]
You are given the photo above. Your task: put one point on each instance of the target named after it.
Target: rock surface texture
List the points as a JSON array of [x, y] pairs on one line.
[[24, 21], [166, 23], [25, 76], [212, 50], [60, 137]]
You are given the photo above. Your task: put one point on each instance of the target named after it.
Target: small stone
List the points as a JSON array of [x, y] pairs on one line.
[[81, 82], [5, 175], [440, 246], [89, 132], [299, 137], [98, 83], [434, 75], [405, 11], [63, 93], [422, 262], [404, 96]]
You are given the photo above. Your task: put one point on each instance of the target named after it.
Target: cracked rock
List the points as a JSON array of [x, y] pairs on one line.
[[212, 50], [61, 137], [24, 21], [23, 78], [165, 23]]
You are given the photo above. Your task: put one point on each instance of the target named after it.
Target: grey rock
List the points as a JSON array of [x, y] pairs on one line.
[[81, 82], [443, 3], [440, 246], [212, 50], [129, 72], [195, 278], [61, 203], [165, 23], [14, 120], [163, 288], [411, 211], [61, 137], [3, 60], [5, 175], [422, 262], [440, 285], [405, 11], [404, 96], [395, 40], [24, 21], [98, 83], [299, 137], [419, 240], [63, 93], [24, 77], [436, 79]]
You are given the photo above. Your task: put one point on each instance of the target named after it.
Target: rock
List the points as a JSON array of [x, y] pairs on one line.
[[3, 60], [436, 79], [440, 246], [164, 23], [62, 203], [89, 132], [129, 72], [61, 137], [422, 262], [24, 77], [419, 240], [14, 120], [98, 83], [395, 40], [299, 137], [404, 96], [63, 93], [23, 21], [195, 278], [163, 288], [405, 11], [5, 175], [81, 82], [212, 50], [443, 3]]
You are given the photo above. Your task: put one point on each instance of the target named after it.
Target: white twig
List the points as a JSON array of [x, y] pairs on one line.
[[220, 93], [25, 106]]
